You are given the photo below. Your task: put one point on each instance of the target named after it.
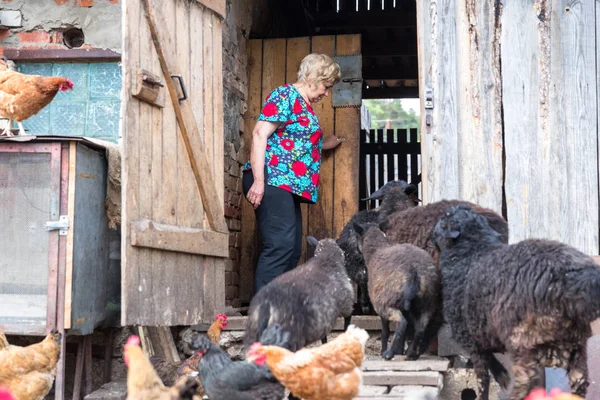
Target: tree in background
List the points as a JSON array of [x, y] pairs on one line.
[[389, 114]]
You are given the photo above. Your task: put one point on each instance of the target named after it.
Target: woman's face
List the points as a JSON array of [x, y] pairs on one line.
[[316, 92]]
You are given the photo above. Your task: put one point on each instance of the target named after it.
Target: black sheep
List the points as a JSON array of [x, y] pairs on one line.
[[355, 264], [415, 225], [404, 286], [305, 301], [534, 299]]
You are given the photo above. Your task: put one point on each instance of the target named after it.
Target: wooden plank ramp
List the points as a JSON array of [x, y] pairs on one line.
[[399, 379]]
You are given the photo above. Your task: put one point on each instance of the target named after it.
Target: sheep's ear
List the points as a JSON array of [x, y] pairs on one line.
[[375, 195], [312, 241]]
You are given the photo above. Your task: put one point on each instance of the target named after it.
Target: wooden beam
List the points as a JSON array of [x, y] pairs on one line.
[[190, 134], [43, 55], [218, 6], [147, 233]]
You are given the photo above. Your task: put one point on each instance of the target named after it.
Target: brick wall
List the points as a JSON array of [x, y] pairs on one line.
[[236, 29], [44, 21]]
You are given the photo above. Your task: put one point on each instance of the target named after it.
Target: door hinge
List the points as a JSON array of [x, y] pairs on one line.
[[428, 98], [62, 225]]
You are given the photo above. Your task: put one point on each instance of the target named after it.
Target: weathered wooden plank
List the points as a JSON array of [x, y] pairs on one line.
[[218, 138], [297, 49], [218, 6], [249, 231], [129, 129], [479, 103], [147, 233], [345, 157], [426, 378], [550, 125], [196, 87], [210, 145], [424, 363], [437, 71], [320, 215], [186, 195], [273, 73], [196, 150], [70, 236]]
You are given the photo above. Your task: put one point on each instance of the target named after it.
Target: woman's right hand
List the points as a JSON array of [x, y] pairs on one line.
[[255, 194]]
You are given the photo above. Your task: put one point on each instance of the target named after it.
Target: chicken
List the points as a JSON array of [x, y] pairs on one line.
[[555, 394], [214, 332], [330, 371], [22, 96], [169, 371], [224, 379], [28, 372], [144, 383]]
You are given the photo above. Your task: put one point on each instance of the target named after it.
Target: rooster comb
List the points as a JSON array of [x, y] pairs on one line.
[[133, 340]]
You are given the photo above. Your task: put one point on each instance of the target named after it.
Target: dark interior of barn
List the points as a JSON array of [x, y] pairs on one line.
[[388, 29]]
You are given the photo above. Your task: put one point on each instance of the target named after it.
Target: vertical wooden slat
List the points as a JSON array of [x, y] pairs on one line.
[[347, 120], [196, 92], [273, 74], [550, 90], [209, 142], [297, 49], [249, 230], [218, 138], [321, 213], [70, 238], [186, 210], [479, 107], [437, 70], [390, 155], [132, 16]]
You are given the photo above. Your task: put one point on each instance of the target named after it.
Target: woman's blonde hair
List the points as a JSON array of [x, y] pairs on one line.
[[316, 68]]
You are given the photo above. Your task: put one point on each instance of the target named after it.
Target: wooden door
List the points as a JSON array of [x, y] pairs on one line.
[[461, 93], [174, 232], [274, 62]]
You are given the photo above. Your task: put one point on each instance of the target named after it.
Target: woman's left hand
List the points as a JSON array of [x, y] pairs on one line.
[[332, 141]]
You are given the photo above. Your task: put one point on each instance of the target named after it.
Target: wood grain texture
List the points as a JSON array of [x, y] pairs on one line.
[[297, 49], [479, 104], [218, 6], [164, 286], [249, 231], [320, 215], [346, 156], [70, 234], [551, 126], [438, 51]]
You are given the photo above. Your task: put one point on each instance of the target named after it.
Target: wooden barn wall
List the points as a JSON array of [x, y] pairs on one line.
[[519, 77], [551, 121], [273, 62]]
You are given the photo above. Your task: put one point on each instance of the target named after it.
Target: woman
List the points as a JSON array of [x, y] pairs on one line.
[[285, 158]]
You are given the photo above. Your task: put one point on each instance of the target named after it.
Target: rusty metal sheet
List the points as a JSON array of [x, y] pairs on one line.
[[348, 91]]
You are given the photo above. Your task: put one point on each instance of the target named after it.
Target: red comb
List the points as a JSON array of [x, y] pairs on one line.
[[5, 394], [221, 316], [133, 340]]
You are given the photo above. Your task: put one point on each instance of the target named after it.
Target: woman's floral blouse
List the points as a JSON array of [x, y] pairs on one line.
[[293, 156]]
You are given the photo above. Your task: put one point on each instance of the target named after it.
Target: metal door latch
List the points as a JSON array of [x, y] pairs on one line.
[[62, 225]]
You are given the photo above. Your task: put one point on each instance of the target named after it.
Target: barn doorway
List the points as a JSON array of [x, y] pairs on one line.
[[387, 48]]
